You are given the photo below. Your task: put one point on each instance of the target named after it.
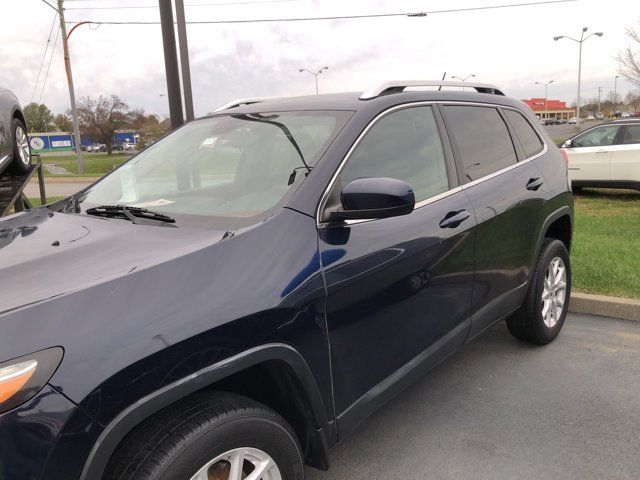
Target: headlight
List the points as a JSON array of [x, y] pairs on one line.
[[22, 378]]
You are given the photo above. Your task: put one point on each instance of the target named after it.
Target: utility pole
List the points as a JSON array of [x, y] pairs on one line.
[[171, 63], [184, 60], [599, 97], [72, 94]]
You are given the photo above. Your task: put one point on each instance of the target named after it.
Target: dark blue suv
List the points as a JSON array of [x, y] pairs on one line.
[[238, 297]]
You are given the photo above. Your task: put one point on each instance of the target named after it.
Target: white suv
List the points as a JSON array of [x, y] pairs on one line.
[[606, 155]]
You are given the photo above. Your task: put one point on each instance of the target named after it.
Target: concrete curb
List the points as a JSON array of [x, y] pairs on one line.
[[604, 306]]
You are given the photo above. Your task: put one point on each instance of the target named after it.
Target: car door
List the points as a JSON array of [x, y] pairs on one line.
[[398, 289], [506, 197], [625, 157], [5, 137], [590, 154]]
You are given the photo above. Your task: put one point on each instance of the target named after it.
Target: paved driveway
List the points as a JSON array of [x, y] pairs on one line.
[[504, 410]]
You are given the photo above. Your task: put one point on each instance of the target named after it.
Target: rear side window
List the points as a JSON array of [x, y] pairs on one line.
[[531, 143], [404, 145], [482, 139], [631, 134]]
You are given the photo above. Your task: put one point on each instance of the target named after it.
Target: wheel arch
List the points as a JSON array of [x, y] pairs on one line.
[[311, 424], [559, 225], [17, 113]]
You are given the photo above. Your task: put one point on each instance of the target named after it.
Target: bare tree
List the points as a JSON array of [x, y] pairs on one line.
[[633, 100], [99, 119], [629, 58], [613, 97]]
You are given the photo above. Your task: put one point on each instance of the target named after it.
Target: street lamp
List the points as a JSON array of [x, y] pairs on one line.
[[315, 74], [615, 92], [546, 95], [579, 42], [463, 79]]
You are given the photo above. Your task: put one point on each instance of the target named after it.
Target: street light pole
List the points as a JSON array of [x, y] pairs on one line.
[[72, 93], [315, 74], [599, 97], [171, 63], [184, 60], [615, 92], [579, 42], [546, 95]]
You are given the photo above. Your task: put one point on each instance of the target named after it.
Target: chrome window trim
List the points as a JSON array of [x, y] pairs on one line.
[[439, 196]]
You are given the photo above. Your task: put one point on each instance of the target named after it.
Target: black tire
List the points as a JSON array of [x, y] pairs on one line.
[[179, 440], [17, 164], [528, 324]]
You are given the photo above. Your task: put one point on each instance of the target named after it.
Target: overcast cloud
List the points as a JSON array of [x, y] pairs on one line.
[[511, 48]]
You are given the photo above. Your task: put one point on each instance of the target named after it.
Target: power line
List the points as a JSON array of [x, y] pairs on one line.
[[342, 17], [122, 7], [44, 55], [49, 5], [49, 66]]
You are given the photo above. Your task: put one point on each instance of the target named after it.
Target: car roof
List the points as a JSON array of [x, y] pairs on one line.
[[382, 95]]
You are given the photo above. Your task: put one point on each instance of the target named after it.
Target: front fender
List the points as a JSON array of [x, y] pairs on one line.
[[123, 423]]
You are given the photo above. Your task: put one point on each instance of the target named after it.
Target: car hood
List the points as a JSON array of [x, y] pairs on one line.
[[44, 254]]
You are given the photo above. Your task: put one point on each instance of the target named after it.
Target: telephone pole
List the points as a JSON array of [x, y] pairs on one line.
[[599, 97], [72, 94], [184, 60]]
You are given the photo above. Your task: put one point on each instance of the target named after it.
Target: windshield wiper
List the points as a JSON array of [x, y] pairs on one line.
[[134, 214]]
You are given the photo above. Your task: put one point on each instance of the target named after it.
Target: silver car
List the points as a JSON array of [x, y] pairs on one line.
[[15, 154]]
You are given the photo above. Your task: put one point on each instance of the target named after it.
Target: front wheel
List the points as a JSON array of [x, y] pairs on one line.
[[545, 308], [211, 436], [21, 151]]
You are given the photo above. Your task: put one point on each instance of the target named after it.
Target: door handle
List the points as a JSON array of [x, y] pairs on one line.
[[453, 219], [534, 183], [602, 150]]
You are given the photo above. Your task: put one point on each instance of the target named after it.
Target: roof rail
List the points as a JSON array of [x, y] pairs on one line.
[[399, 86], [240, 102]]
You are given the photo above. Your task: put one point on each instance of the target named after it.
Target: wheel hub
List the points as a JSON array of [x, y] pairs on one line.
[[240, 464], [22, 142], [554, 292]]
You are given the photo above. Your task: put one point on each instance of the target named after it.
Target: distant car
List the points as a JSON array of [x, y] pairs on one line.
[[599, 116], [562, 121], [15, 153], [128, 146], [591, 118], [626, 115], [605, 156], [99, 147], [573, 121]]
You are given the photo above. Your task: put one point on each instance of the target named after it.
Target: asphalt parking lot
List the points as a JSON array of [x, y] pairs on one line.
[[504, 410]]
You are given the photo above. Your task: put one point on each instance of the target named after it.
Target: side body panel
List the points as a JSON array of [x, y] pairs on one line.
[[6, 104], [625, 158], [590, 163]]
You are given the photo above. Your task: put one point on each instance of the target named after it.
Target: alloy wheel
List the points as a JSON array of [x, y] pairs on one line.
[[554, 292], [22, 142], [240, 464]]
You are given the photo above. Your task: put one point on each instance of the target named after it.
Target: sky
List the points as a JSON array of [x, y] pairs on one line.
[[511, 48]]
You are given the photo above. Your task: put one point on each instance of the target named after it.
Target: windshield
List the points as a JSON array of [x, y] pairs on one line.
[[227, 171]]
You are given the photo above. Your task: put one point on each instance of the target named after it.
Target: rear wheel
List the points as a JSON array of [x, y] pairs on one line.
[[21, 151], [210, 436], [543, 313]]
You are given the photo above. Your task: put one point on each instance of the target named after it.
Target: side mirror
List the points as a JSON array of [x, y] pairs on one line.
[[567, 144], [369, 198]]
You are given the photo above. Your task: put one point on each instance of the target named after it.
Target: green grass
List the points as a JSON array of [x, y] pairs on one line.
[[35, 202], [606, 244], [95, 164]]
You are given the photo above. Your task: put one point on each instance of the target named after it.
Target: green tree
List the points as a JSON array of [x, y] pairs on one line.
[[39, 118], [63, 122], [100, 118]]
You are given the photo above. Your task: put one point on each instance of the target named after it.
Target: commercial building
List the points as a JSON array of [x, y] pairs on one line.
[[49, 142], [553, 109]]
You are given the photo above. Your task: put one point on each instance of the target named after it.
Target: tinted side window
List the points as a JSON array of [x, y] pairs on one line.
[[598, 137], [482, 138], [631, 134], [529, 139], [404, 145]]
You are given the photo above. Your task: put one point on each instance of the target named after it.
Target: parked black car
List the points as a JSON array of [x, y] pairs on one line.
[[237, 298], [14, 144]]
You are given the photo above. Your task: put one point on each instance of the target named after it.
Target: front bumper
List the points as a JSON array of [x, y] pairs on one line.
[[46, 438]]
